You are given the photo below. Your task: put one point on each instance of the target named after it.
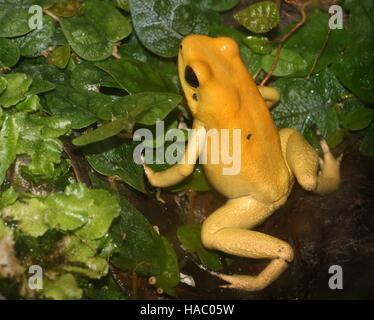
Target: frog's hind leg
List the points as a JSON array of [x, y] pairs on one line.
[[303, 161], [226, 230]]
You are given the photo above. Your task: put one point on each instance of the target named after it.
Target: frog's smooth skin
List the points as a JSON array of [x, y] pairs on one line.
[[222, 94]]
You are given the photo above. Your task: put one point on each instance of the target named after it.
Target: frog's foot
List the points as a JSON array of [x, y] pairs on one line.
[[226, 230], [254, 283], [270, 95], [303, 162], [329, 173]]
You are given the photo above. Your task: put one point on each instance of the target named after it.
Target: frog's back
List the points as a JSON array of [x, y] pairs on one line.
[[221, 94], [263, 172]]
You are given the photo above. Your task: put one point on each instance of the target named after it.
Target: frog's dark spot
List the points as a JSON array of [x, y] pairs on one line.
[[181, 47], [249, 135], [194, 96]]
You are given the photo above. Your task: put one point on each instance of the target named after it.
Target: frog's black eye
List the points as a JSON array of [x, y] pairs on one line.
[[191, 78]]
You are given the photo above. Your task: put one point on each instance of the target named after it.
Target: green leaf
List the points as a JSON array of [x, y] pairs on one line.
[[259, 45], [145, 108], [105, 289], [78, 206], [30, 104], [8, 144], [289, 63], [367, 142], [93, 34], [64, 287], [38, 40], [170, 276], [89, 212], [17, 87], [39, 86], [306, 103], [221, 30], [329, 126], [30, 216], [118, 161], [3, 85], [80, 256], [4, 230], [46, 154], [358, 119], [66, 8], [124, 5], [8, 197], [141, 249], [101, 214], [314, 40], [135, 76], [60, 56], [79, 106], [14, 18], [218, 5], [40, 71], [161, 24], [251, 60], [37, 140], [105, 131], [189, 236], [87, 77], [259, 17], [9, 53], [355, 66]]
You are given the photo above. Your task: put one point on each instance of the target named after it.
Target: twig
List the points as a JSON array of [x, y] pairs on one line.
[[52, 15], [115, 52], [319, 54], [191, 199], [134, 278], [299, 24], [80, 175], [113, 181]]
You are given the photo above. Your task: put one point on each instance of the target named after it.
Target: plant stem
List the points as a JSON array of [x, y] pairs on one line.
[[319, 54], [301, 8]]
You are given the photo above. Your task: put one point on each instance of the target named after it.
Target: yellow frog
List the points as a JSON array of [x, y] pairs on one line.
[[222, 94]]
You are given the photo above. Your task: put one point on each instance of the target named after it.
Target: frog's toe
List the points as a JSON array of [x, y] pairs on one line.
[[240, 282]]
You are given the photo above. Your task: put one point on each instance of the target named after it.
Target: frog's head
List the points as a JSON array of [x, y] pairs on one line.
[[208, 70]]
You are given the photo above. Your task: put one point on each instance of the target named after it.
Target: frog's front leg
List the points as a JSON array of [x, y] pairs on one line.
[[227, 230], [270, 95], [185, 167]]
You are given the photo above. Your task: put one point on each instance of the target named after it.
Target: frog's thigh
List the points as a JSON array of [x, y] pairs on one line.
[[225, 230], [303, 161], [270, 95]]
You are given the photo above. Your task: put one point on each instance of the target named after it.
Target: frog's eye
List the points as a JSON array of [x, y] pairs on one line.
[[191, 78]]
